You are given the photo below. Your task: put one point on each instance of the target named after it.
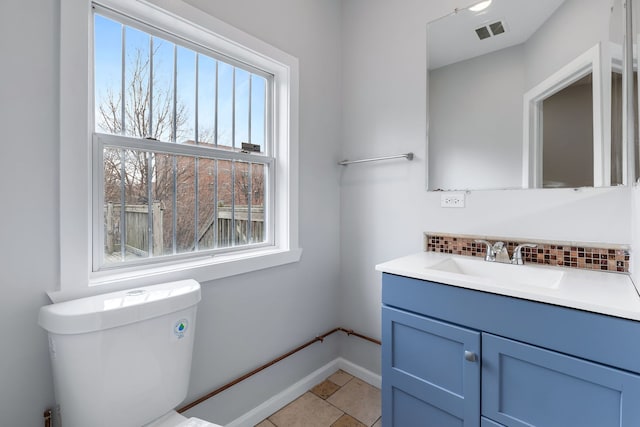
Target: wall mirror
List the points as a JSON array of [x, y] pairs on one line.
[[526, 94]]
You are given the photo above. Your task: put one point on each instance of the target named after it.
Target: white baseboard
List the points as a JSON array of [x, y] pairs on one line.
[[288, 395], [360, 372]]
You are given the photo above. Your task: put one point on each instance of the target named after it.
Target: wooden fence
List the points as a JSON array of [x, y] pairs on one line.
[[136, 219], [242, 233]]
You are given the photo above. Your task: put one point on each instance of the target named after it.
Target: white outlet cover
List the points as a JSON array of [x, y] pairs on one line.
[[452, 200]]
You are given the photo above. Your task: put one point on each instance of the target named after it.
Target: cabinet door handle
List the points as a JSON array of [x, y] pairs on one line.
[[470, 356]]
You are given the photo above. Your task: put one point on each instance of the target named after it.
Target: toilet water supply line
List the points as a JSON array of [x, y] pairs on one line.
[[47, 418], [319, 338]]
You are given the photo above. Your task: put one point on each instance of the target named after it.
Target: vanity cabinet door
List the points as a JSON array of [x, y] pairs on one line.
[[430, 372], [523, 385]]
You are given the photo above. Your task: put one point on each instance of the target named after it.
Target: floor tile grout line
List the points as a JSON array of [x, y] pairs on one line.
[[337, 390], [308, 391], [352, 377], [343, 411]]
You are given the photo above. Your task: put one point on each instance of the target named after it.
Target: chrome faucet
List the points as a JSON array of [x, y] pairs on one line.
[[516, 258], [497, 252]]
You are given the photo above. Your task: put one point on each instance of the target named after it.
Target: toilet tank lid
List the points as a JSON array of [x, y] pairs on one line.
[[114, 309]]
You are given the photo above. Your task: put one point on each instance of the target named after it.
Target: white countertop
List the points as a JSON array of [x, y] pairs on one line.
[[608, 293]]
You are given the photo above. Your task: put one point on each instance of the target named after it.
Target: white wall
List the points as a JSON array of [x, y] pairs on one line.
[[250, 319], [550, 48], [384, 206], [243, 321], [475, 122], [29, 213], [376, 58]]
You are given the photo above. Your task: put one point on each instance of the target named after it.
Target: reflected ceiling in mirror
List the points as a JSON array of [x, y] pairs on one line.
[[482, 64]]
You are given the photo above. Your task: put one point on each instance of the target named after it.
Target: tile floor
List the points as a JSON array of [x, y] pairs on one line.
[[341, 400]]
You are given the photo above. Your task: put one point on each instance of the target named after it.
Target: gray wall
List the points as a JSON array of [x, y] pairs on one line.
[[362, 82], [243, 321], [250, 319], [567, 147], [551, 47], [475, 122], [385, 208], [29, 214]]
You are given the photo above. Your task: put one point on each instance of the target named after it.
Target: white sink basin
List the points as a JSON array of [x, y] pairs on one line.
[[498, 273]]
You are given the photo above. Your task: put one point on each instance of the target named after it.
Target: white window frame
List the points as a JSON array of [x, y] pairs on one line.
[[77, 277]]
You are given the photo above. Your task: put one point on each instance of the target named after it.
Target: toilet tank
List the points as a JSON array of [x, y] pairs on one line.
[[123, 358]]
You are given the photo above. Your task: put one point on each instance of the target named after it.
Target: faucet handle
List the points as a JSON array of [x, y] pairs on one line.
[[490, 254], [517, 253], [498, 246], [500, 252]]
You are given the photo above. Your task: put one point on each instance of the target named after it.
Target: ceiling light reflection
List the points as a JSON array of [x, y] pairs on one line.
[[480, 6]]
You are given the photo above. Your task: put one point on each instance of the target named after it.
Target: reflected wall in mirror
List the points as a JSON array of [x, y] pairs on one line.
[[526, 94], [568, 134]]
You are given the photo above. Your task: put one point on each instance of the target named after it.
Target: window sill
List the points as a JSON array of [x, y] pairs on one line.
[[202, 270]]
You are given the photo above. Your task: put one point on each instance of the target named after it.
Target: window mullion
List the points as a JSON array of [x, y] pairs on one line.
[[150, 130], [197, 75], [233, 203], [196, 209], [123, 201], [266, 128], [174, 216], [123, 114], [174, 112], [215, 184], [249, 103], [233, 163], [150, 219], [215, 204], [233, 108], [250, 171], [174, 139], [196, 183], [249, 201], [215, 120]]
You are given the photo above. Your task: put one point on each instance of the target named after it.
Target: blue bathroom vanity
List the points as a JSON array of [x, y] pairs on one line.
[[468, 351]]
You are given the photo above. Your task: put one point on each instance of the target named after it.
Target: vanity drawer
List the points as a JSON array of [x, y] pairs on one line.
[[524, 385]]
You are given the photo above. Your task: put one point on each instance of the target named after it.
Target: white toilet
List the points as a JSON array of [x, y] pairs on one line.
[[123, 359]]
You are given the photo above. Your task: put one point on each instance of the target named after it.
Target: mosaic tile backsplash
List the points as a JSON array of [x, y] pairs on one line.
[[564, 254]]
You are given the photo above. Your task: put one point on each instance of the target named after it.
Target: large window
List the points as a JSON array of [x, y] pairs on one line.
[[178, 147], [183, 147]]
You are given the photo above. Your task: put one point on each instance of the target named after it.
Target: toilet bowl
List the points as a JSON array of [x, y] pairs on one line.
[[124, 358]]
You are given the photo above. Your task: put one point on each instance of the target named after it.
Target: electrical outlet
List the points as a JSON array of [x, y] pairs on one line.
[[452, 200]]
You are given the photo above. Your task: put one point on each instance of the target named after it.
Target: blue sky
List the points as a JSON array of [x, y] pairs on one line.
[[108, 75]]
